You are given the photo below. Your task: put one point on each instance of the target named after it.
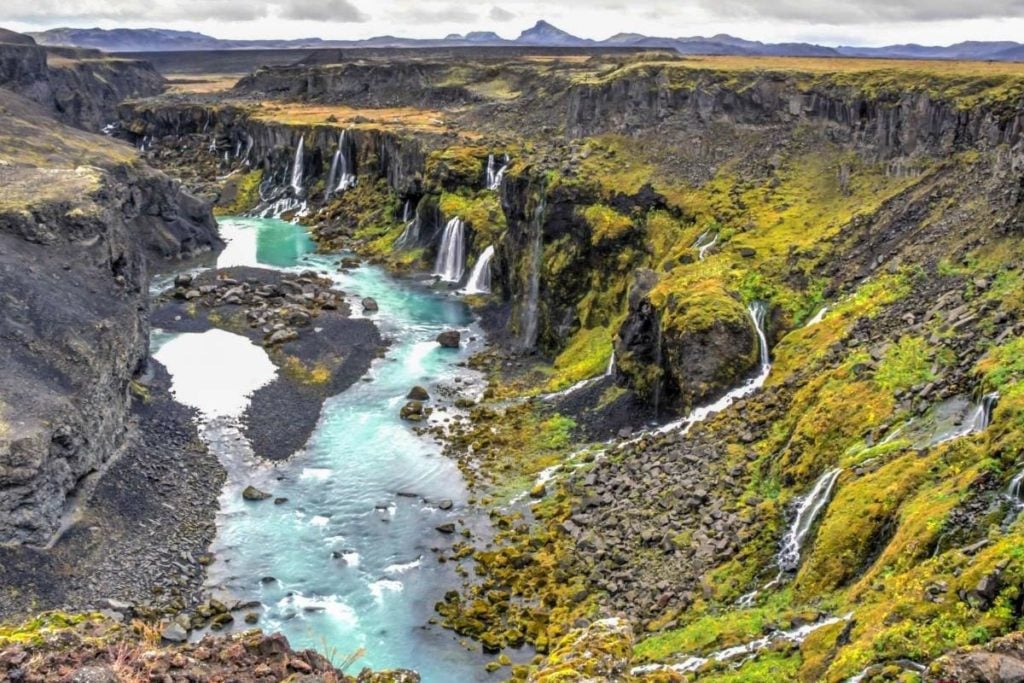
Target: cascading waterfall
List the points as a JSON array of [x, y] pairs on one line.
[[610, 370], [812, 505], [818, 317], [529, 311], [297, 166], [480, 277], [410, 236], [757, 312], [340, 177], [495, 174], [704, 242], [982, 416], [451, 255], [1016, 488]]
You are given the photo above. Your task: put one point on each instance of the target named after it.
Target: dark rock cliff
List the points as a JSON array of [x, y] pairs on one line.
[[76, 242], [80, 87]]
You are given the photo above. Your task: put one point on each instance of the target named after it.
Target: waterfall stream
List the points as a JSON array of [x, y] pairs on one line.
[[495, 174], [451, 254], [341, 177], [529, 309], [480, 277], [757, 312], [811, 506], [297, 166]]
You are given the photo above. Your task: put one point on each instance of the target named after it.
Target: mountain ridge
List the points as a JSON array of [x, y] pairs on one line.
[[541, 34]]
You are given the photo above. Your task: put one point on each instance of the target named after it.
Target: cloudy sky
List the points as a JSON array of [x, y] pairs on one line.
[[832, 22]]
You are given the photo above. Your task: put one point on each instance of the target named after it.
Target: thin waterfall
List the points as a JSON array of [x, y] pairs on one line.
[[818, 317], [1016, 488], [529, 313], [406, 211], [610, 370], [480, 277], [702, 250], [451, 255], [297, 166], [757, 312], [346, 176], [811, 506], [495, 174], [982, 416], [410, 236]]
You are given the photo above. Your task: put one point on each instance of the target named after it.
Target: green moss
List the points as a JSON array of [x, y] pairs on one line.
[[906, 363], [35, 630], [246, 194], [587, 355], [606, 224]]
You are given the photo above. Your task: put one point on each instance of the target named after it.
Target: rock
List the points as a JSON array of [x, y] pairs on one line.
[[370, 305], [95, 674], [253, 493], [449, 339], [412, 411], [174, 633], [446, 528], [445, 504], [539, 490], [252, 618], [418, 393], [281, 336], [747, 252]]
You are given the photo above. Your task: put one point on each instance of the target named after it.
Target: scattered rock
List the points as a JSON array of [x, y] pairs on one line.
[[412, 411], [370, 305], [449, 339], [253, 493], [174, 633], [418, 393]]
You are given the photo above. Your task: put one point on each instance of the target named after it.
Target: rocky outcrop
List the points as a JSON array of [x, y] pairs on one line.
[[1000, 661], [890, 124], [74, 250], [80, 87]]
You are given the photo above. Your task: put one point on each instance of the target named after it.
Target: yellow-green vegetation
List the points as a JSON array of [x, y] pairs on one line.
[[341, 116], [35, 630], [244, 193], [587, 355], [462, 163], [312, 374], [481, 210], [606, 224], [906, 363]]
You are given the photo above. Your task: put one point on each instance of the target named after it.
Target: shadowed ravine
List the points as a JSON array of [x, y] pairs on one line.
[[346, 562]]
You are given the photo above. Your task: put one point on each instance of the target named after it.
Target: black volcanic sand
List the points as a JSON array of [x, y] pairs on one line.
[[141, 532], [283, 414]]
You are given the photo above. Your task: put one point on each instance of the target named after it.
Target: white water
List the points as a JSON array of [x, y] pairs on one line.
[[811, 506], [610, 370], [341, 177], [746, 650], [529, 309], [411, 234], [494, 174], [480, 277], [757, 312], [350, 558], [297, 166], [1014, 490], [703, 244], [979, 420], [818, 317], [451, 254]]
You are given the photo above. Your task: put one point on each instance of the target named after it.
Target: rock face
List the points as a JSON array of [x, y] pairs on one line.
[[80, 87], [1001, 661], [73, 269]]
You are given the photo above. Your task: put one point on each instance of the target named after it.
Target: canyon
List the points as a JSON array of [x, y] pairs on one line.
[[726, 382]]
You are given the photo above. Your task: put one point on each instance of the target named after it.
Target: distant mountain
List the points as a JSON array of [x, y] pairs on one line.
[[542, 34], [547, 35]]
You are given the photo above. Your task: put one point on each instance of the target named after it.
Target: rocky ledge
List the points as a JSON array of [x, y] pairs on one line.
[[95, 648], [306, 328]]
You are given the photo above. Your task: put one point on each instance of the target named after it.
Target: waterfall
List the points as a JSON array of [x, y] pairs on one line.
[[410, 236], [480, 277], [757, 312], [451, 255], [610, 370], [818, 317], [297, 167], [702, 251], [1016, 488], [340, 177], [982, 416], [745, 650], [406, 211], [811, 506], [528, 313], [495, 174]]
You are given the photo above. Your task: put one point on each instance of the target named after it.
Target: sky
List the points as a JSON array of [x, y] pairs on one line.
[[828, 22]]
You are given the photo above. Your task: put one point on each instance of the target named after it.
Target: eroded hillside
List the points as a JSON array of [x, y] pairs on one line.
[[758, 324]]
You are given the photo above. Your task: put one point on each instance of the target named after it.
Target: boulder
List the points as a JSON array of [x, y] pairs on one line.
[[174, 633], [253, 493], [370, 305], [418, 393], [449, 339], [413, 411]]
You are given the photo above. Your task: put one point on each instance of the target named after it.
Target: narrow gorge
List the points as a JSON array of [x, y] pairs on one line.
[[583, 365]]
